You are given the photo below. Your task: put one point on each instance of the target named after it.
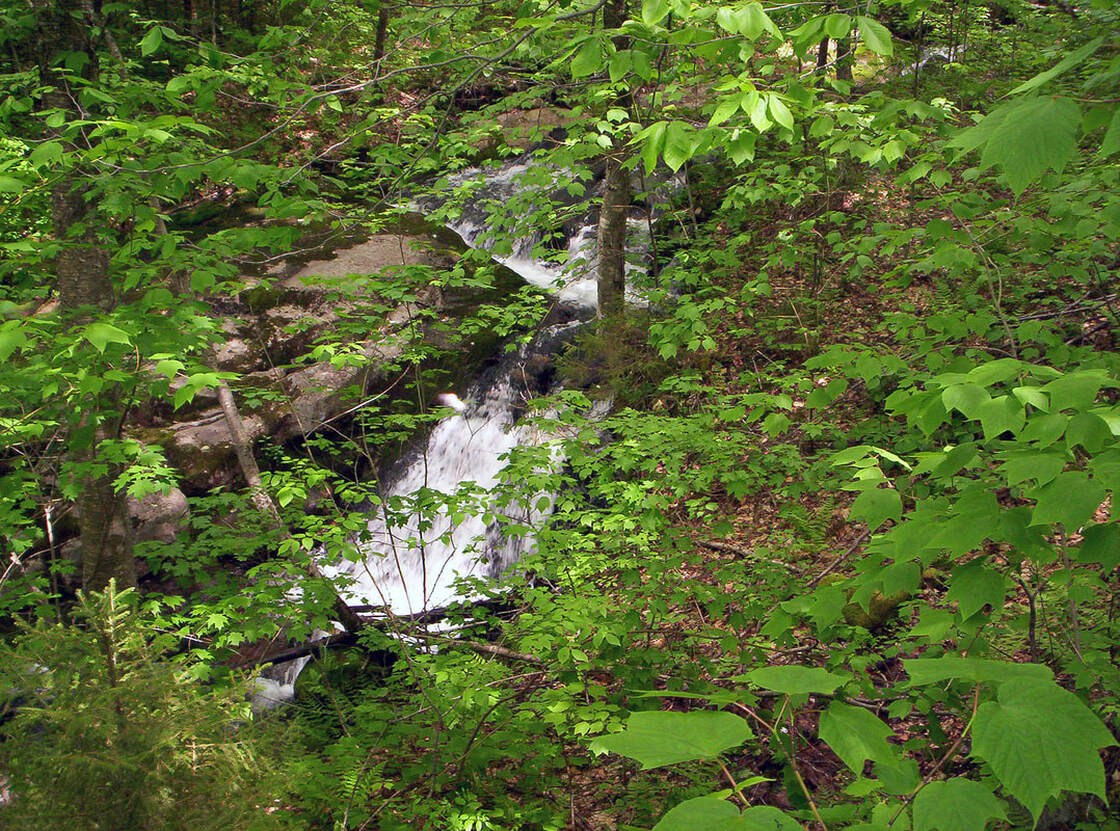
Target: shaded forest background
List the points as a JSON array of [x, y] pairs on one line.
[[832, 545]]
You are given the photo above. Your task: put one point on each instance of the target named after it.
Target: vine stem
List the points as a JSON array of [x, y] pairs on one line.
[[773, 730], [734, 785], [949, 754], [797, 771]]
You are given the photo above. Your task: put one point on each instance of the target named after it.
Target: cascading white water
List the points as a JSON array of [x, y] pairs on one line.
[[420, 544], [942, 54], [572, 281], [422, 537]]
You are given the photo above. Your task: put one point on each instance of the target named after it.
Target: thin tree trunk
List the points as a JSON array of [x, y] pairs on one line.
[[260, 498], [382, 29], [822, 54], [844, 59], [616, 200], [612, 238]]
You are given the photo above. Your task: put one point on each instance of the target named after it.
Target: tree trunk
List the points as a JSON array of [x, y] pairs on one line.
[[616, 199], [84, 288], [382, 29], [822, 54], [612, 238], [844, 59]]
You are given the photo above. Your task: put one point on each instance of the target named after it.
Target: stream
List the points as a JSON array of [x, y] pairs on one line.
[[417, 552]]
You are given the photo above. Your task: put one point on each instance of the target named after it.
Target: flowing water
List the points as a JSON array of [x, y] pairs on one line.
[[419, 545]]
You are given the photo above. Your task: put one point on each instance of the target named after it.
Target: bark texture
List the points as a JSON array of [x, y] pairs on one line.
[[616, 199], [612, 238], [84, 287], [382, 30]]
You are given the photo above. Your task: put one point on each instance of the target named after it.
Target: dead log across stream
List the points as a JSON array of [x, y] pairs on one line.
[[342, 640]]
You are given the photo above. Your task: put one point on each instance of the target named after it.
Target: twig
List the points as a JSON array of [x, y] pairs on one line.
[[728, 548], [487, 648], [942, 761], [1082, 335], [835, 563]]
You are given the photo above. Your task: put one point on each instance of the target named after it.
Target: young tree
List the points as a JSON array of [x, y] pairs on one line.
[[616, 193]]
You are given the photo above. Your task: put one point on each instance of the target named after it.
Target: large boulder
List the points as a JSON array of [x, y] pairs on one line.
[[520, 129], [285, 399], [158, 516]]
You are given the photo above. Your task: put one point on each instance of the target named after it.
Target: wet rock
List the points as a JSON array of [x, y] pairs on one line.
[[157, 517], [346, 270], [524, 129], [236, 355]]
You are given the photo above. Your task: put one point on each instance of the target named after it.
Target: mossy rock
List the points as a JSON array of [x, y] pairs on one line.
[[881, 608]]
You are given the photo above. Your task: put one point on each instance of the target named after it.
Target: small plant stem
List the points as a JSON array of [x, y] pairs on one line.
[[1073, 620], [797, 771], [805, 790], [949, 754], [734, 785], [773, 730]]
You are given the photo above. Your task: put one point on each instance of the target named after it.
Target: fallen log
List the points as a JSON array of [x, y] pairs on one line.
[[344, 640]]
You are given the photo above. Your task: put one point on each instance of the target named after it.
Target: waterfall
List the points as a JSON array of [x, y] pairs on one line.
[[943, 54], [417, 547], [418, 543]]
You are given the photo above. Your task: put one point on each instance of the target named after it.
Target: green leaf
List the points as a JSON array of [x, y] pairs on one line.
[[992, 372], [780, 112], [652, 139], [741, 146], [704, 813], [856, 735], [589, 59], [183, 395], [1111, 143], [1076, 390], [794, 680], [1039, 740], [1033, 396], [170, 367], [12, 337], [654, 11], [726, 108], [767, 818], [876, 506], [1064, 65], [925, 671], [1044, 430], [1071, 499], [152, 41], [956, 805], [1041, 467], [102, 334], [46, 153], [899, 776], [965, 398], [1000, 415], [1089, 431], [678, 145], [10, 185], [1034, 135], [656, 739], [619, 65], [1101, 544], [837, 26], [755, 21], [976, 585], [642, 66], [875, 35]]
